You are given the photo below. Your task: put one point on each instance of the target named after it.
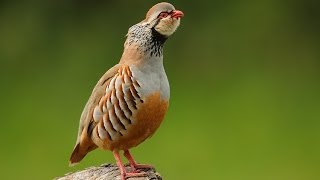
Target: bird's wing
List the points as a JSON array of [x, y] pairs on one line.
[[106, 106], [97, 93], [84, 143]]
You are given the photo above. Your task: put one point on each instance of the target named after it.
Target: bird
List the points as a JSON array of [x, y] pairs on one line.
[[130, 100]]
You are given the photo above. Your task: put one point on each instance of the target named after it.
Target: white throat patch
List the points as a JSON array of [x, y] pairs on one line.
[[167, 26]]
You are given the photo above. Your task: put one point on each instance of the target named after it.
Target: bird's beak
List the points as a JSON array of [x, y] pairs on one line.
[[177, 14]]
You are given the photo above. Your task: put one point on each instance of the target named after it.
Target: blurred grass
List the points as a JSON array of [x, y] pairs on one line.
[[244, 79]]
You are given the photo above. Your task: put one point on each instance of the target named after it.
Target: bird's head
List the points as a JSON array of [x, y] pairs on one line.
[[149, 35], [163, 18]]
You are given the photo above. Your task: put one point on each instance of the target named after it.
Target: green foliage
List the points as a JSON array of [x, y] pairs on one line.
[[244, 78]]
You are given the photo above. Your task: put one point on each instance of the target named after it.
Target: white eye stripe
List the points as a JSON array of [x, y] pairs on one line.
[[163, 14]]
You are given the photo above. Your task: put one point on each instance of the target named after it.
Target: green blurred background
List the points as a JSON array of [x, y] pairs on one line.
[[244, 75]]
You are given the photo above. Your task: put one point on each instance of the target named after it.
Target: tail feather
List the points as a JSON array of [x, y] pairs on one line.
[[79, 152]]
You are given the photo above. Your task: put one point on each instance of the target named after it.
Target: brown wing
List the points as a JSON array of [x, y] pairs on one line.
[[84, 144]]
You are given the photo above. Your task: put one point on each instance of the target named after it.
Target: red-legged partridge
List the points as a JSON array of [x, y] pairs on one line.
[[129, 102]]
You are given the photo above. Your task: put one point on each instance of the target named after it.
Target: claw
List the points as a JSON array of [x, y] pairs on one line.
[[143, 166], [135, 172], [135, 166]]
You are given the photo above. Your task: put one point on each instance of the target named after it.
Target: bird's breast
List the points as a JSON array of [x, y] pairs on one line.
[[152, 78]]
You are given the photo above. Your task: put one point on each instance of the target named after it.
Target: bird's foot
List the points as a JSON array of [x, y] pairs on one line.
[[136, 167]]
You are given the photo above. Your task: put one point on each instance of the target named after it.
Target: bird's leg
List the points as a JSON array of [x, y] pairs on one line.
[[124, 173], [134, 165]]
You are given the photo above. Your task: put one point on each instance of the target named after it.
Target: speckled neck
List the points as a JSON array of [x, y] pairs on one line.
[[147, 40]]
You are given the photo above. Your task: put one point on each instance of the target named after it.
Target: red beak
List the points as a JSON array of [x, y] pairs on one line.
[[177, 14]]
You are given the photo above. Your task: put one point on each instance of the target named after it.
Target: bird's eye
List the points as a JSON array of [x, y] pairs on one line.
[[163, 15]]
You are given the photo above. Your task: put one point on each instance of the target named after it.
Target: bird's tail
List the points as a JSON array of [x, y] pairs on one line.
[[79, 152]]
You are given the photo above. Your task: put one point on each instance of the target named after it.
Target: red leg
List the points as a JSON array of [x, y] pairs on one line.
[[134, 165], [120, 164], [124, 173]]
